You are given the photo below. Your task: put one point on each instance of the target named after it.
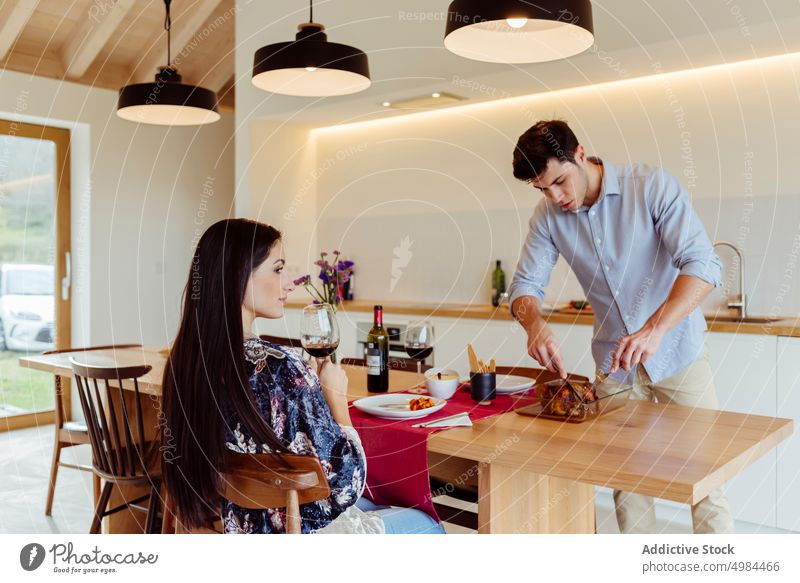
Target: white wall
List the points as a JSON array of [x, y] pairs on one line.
[[444, 180], [282, 180], [141, 196]]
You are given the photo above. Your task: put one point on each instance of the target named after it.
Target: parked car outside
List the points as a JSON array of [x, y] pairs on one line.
[[27, 307]]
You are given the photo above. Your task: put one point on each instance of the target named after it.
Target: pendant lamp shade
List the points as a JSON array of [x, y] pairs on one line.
[[310, 66], [519, 31], [167, 101]]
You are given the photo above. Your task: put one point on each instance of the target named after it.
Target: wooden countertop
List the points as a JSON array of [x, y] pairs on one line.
[[784, 327]]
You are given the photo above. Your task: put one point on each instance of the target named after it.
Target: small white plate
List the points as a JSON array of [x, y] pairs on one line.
[[372, 405], [507, 383]]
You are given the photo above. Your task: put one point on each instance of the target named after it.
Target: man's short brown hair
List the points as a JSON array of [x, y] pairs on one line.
[[545, 140]]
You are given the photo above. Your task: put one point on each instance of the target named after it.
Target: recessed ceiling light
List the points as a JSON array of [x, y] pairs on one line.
[[434, 100]]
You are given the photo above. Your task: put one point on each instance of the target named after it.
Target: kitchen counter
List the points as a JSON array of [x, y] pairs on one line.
[[784, 327]]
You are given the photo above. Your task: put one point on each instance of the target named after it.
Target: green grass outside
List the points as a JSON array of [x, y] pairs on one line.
[[31, 390]]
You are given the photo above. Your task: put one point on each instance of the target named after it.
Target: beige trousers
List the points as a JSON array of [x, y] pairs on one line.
[[692, 387]]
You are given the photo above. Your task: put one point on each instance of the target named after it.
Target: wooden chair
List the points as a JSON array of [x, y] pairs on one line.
[[467, 490], [120, 453], [70, 433], [259, 481]]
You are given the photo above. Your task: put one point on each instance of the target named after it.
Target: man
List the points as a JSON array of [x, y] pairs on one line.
[[643, 258]]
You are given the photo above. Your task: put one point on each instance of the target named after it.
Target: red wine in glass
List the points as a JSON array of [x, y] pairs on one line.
[[319, 332], [418, 342], [322, 350], [419, 352]]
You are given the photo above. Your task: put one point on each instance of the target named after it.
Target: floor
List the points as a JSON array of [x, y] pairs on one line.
[[25, 457]]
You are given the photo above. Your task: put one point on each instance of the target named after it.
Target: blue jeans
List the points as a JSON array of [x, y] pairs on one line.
[[402, 520]]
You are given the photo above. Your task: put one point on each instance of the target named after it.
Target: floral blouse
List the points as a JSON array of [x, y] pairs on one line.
[[288, 394]]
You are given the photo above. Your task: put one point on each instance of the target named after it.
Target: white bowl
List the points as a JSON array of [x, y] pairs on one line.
[[444, 388]]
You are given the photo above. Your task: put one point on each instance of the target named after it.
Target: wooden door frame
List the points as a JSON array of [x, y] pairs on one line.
[[63, 236]]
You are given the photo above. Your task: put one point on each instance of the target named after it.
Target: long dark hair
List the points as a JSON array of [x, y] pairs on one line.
[[205, 371]]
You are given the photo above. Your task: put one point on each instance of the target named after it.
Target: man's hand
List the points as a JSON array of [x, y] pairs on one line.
[[544, 348], [686, 294], [542, 343], [637, 347]]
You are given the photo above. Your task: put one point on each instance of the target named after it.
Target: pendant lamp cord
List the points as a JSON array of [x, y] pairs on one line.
[[311, 10], [167, 27]]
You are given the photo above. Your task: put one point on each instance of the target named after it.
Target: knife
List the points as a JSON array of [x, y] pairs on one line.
[[448, 418]]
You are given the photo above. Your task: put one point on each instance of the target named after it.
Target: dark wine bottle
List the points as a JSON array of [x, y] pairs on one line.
[[378, 355], [498, 284]]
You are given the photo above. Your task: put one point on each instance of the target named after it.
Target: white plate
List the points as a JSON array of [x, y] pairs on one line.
[[507, 383], [372, 405]]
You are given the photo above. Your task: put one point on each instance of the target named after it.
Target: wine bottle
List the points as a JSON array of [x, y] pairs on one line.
[[498, 284], [378, 355]]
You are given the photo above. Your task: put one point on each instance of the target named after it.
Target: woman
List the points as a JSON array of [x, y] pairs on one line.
[[226, 388]]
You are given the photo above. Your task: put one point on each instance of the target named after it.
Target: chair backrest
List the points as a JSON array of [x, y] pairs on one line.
[[261, 480], [265, 481], [60, 416], [115, 432], [541, 375], [291, 342], [394, 363]]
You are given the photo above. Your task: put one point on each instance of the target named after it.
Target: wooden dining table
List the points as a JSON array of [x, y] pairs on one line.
[[533, 475]]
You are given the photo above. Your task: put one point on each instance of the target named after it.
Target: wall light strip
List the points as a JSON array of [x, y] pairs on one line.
[[531, 97]]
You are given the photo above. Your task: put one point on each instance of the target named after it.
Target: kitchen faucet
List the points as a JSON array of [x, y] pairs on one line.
[[740, 303]]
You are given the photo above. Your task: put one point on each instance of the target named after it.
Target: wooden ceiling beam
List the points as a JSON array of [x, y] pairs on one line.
[[184, 29], [15, 16], [92, 35]]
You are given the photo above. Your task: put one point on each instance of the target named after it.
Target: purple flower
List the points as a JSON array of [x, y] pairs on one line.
[[302, 280]]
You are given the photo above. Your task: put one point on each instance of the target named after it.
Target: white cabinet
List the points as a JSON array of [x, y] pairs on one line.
[[499, 339], [576, 347], [789, 450], [745, 376]]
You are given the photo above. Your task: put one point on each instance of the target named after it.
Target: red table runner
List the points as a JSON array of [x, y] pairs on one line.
[[397, 454]]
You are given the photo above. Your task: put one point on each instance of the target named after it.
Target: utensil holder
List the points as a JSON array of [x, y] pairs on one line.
[[483, 386]]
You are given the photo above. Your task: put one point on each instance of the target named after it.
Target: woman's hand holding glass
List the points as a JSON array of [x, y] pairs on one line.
[[333, 380]]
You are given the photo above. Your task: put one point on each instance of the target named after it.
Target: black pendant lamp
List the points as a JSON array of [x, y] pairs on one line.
[[310, 66], [519, 31], [167, 101]]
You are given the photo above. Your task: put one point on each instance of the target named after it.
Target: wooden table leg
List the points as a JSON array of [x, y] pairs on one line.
[[514, 501]]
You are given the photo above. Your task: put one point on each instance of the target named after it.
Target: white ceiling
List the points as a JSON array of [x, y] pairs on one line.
[[403, 40]]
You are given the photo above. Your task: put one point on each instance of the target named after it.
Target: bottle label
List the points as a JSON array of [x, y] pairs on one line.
[[373, 361]]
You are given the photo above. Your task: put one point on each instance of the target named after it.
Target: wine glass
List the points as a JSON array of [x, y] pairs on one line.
[[418, 342], [319, 331]]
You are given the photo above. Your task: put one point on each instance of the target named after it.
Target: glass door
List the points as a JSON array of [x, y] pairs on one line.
[[34, 266]]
